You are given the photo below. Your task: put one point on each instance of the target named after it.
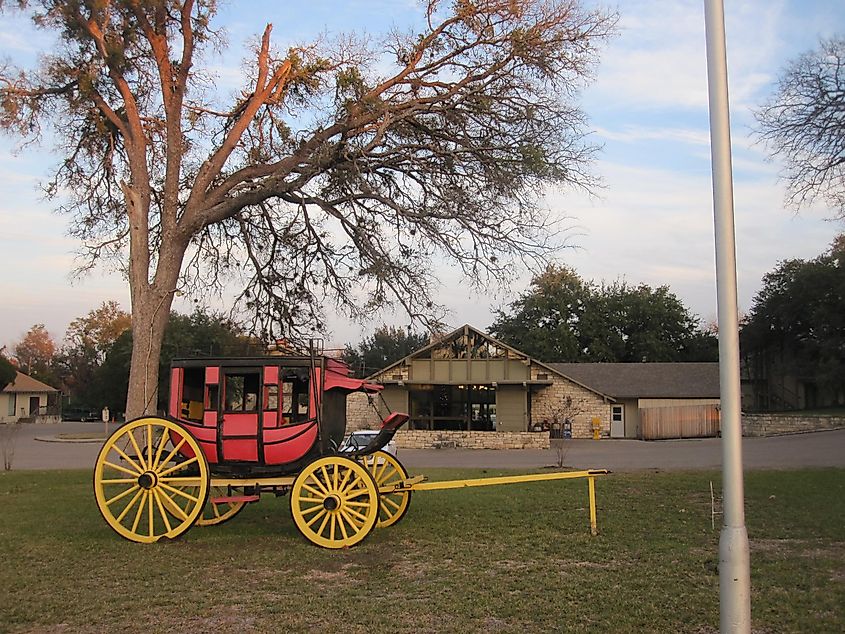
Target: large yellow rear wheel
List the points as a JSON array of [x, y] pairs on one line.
[[388, 471], [334, 502], [151, 480]]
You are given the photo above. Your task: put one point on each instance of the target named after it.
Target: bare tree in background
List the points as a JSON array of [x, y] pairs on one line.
[[804, 125], [327, 179]]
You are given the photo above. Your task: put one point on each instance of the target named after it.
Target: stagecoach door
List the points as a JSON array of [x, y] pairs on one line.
[[240, 404]]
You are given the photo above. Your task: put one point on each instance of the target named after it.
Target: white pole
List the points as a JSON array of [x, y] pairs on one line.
[[734, 564]]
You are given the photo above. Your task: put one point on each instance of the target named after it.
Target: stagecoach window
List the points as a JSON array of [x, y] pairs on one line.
[[294, 396], [271, 403], [241, 392]]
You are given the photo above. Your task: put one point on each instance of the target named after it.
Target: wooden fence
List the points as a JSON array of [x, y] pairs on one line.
[[688, 421]]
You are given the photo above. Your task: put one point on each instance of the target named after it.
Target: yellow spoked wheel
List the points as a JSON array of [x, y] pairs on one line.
[[334, 502], [151, 480], [388, 471], [214, 513]]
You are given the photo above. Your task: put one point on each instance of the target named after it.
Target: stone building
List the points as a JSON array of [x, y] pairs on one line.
[[468, 390]]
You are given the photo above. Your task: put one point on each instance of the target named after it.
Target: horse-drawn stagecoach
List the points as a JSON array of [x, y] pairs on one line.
[[241, 427]]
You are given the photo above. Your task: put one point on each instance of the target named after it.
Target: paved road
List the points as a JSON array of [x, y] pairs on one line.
[[820, 449]]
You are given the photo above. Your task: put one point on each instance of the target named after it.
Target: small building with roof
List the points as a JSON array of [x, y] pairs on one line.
[[654, 400], [466, 389], [28, 400]]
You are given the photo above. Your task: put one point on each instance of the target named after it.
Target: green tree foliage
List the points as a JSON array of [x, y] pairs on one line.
[[87, 342], [200, 334], [386, 345], [35, 354], [798, 316], [804, 125], [562, 318], [8, 372], [339, 173]]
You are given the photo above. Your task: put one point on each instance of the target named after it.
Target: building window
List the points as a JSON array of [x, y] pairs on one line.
[[616, 413], [453, 407], [12, 404]]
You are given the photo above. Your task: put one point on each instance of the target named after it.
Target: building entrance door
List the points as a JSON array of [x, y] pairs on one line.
[[617, 421]]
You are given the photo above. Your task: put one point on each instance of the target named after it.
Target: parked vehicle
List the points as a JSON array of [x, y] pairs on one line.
[[359, 440]]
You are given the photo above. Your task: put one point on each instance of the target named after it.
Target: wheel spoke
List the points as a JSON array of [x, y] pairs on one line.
[[326, 477], [314, 491], [138, 452], [311, 509], [184, 480], [117, 467], [140, 511], [319, 483], [315, 500], [150, 515], [119, 481], [123, 513], [120, 496], [355, 513], [346, 515], [314, 519], [326, 518], [395, 505], [171, 505], [342, 485], [332, 526], [342, 525], [138, 468], [360, 505], [181, 492], [174, 450], [165, 436], [178, 466], [161, 510]]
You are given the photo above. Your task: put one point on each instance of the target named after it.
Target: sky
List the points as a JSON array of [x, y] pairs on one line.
[[651, 222]]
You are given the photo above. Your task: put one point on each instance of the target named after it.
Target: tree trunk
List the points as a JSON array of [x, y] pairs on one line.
[[150, 314]]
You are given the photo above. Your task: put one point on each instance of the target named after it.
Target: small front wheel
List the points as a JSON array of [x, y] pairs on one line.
[[151, 480], [387, 471], [334, 502]]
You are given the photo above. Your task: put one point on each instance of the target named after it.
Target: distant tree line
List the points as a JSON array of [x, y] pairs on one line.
[[564, 318], [91, 367]]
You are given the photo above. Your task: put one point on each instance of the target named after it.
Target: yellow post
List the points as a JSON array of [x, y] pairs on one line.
[[591, 481]]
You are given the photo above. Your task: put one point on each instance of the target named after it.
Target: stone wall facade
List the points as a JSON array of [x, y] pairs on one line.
[[564, 399], [360, 414], [775, 425], [426, 439]]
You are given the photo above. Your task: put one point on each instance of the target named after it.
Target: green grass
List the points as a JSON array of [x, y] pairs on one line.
[[515, 558]]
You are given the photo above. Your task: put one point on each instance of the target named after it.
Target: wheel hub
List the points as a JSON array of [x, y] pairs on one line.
[[331, 503], [147, 480]]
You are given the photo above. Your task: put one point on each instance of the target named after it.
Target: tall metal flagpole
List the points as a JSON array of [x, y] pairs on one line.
[[734, 564]]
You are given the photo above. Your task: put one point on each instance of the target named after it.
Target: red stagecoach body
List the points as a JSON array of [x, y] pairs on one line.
[[262, 415]]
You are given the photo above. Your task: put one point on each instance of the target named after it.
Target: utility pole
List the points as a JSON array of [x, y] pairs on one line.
[[734, 560]]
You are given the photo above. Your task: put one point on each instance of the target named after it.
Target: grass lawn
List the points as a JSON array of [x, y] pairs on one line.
[[515, 558]]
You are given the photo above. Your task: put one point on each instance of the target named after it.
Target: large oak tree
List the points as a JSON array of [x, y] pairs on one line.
[[340, 173]]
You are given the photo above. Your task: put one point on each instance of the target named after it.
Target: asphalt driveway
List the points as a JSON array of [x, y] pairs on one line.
[[819, 449]]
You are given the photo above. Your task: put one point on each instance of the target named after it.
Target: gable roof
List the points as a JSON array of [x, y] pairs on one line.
[[440, 341], [466, 329], [646, 380], [25, 383]]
